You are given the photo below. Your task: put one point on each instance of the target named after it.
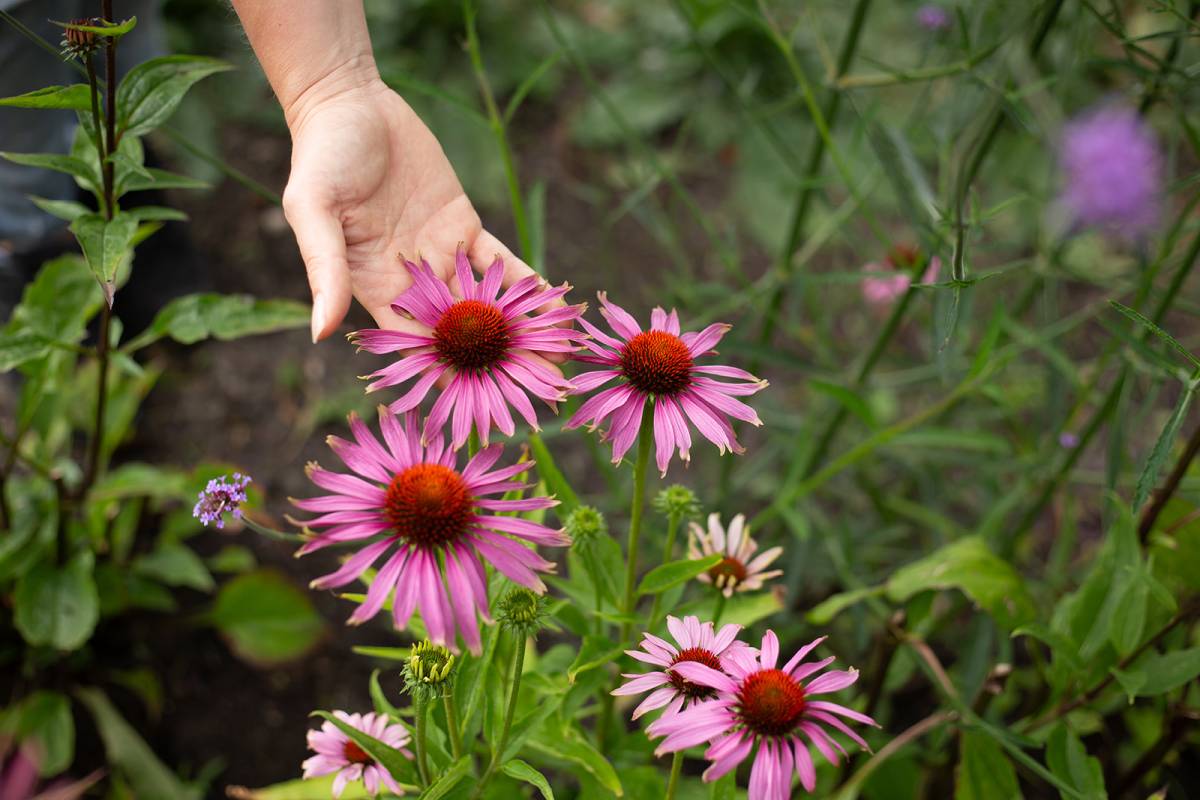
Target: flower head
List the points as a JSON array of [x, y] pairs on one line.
[[660, 366], [740, 569], [483, 342], [337, 752], [522, 610], [760, 704], [1112, 171], [696, 642], [428, 669], [77, 43], [221, 495], [410, 500], [934, 18], [896, 275], [585, 524], [677, 501]]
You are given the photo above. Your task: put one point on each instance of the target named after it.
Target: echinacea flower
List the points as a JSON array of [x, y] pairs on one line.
[[895, 275], [760, 704], [934, 18], [739, 569], [696, 642], [482, 342], [337, 752], [660, 366], [1112, 171], [221, 496], [410, 500]]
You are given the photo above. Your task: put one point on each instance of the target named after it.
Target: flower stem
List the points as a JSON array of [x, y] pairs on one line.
[[676, 768], [452, 724], [719, 608], [472, 444], [645, 439], [518, 664], [422, 759], [673, 520]]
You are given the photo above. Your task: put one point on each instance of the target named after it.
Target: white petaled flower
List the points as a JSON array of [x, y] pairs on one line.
[[739, 570]]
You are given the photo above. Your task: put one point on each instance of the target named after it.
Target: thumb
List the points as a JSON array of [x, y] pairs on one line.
[[323, 247]]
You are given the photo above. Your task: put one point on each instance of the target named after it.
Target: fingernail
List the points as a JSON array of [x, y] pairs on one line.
[[318, 317]]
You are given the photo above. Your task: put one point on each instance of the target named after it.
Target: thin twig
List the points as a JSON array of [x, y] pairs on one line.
[[1152, 511]]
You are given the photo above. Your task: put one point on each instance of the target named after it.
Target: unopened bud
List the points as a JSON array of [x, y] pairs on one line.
[[585, 523], [677, 501], [521, 610]]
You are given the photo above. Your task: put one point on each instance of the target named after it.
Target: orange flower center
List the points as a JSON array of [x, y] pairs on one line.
[[728, 572], [771, 702], [687, 688], [657, 362], [472, 335], [428, 505], [355, 754]]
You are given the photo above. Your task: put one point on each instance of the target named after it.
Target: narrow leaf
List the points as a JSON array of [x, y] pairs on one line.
[[673, 573], [76, 97]]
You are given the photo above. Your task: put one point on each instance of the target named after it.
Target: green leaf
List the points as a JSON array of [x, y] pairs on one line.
[[969, 566], [76, 96], [1162, 448], [175, 565], [266, 619], [302, 789], [232, 559], [141, 480], [58, 302], [20, 348], [58, 606], [1069, 762], [826, 610], [129, 752], [388, 757], [105, 28], [1157, 331], [573, 748], [1159, 673], [195, 317], [45, 717], [673, 573], [157, 214], [743, 608], [516, 768], [67, 210], [449, 778], [549, 472], [105, 243], [1129, 612], [55, 161], [161, 179], [984, 771], [149, 93], [595, 651]]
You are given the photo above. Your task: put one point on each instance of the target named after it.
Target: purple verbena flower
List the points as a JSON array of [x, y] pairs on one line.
[[220, 496], [934, 18], [1112, 171]]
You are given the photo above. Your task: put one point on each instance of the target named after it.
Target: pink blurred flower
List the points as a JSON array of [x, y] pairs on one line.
[[760, 704], [19, 767], [934, 18], [740, 569], [659, 365], [895, 275], [697, 642], [482, 342], [410, 499], [337, 752]]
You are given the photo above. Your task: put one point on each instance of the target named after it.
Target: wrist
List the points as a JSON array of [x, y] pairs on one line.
[[355, 74]]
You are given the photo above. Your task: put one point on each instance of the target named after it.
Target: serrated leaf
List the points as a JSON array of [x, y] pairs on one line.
[[673, 573], [266, 619], [516, 768], [104, 243], [150, 92], [1157, 331], [58, 606], [77, 96], [195, 317], [984, 771], [1162, 448]]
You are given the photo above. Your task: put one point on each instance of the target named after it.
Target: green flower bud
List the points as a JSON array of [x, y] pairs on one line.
[[428, 670], [521, 610], [677, 501], [585, 523]]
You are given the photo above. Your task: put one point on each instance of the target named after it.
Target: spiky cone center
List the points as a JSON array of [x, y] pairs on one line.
[[79, 42], [428, 505], [729, 571], [430, 664], [657, 363], [472, 335], [687, 688], [355, 754], [770, 702]]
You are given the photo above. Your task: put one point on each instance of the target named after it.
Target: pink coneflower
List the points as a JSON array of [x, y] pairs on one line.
[[410, 499], [697, 642], [659, 365], [739, 570], [485, 344], [896, 275], [760, 704], [337, 752]]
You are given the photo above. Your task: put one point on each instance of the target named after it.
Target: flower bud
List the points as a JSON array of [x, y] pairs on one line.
[[78, 43], [585, 523], [429, 669], [677, 501], [521, 610]]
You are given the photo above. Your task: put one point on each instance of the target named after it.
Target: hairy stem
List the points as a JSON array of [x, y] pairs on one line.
[[668, 554], [421, 724], [452, 724], [637, 505]]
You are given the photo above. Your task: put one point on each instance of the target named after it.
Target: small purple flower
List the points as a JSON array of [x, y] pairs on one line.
[[934, 18], [221, 495], [1112, 171], [1068, 440]]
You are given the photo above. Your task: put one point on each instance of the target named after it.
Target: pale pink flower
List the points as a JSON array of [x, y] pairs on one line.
[[410, 500], [696, 642], [759, 704], [482, 341], [660, 366], [895, 275], [337, 752], [739, 570]]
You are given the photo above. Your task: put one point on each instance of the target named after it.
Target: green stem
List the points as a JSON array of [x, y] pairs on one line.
[[719, 608], [452, 724], [472, 443], [645, 440], [518, 664], [676, 768], [668, 554], [422, 758]]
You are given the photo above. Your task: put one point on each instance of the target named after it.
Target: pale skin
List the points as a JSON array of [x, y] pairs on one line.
[[368, 181]]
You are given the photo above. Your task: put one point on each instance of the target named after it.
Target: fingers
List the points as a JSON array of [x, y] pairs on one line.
[[322, 246], [438, 240], [485, 248]]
